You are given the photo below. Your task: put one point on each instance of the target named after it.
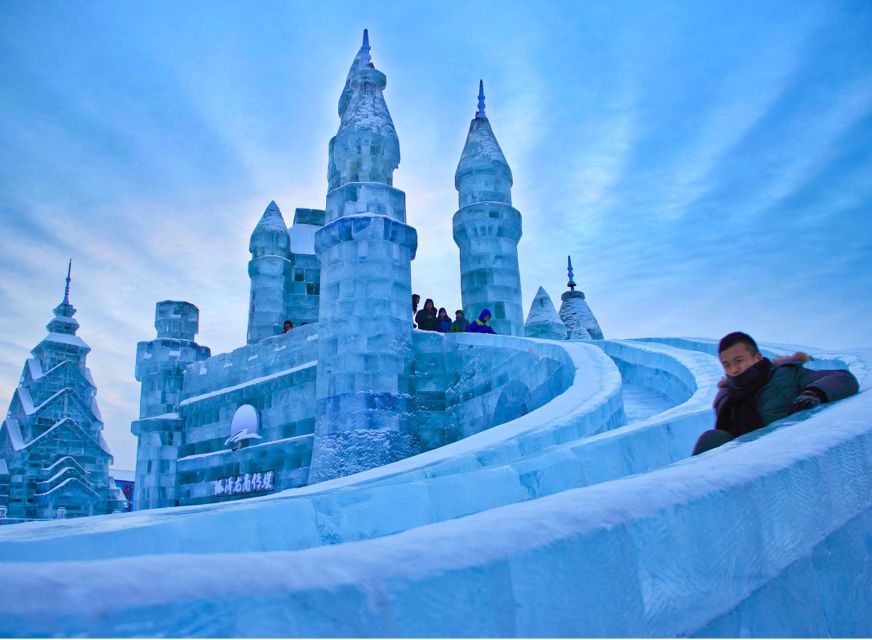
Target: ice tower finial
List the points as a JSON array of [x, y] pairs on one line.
[[63, 321], [571, 283], [67, 288], [364, 48], [480, 112]]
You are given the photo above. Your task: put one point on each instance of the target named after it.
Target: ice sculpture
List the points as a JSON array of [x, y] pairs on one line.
[[576, 314], [543, 321]]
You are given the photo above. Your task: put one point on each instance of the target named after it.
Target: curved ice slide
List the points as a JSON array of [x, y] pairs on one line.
[[563, 522]]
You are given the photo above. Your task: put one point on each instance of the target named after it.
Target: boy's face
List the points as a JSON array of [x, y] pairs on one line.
[[738, 358]]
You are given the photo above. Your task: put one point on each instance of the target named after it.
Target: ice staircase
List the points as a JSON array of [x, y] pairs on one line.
[[568, 521]]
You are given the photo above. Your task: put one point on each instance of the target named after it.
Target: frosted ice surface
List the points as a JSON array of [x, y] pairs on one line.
[[272, 220], [512, 570], [66, 338], [641, 401], [543, 321], [578, 318], [367, 111], [303, 238], [481, 144]]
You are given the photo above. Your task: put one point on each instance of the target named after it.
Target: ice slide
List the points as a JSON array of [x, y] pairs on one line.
[[563, 522]]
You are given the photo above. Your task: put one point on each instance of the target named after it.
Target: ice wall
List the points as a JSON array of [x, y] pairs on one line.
[[766, 533]]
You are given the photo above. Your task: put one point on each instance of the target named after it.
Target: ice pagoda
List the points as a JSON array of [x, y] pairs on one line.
[[54, 461]]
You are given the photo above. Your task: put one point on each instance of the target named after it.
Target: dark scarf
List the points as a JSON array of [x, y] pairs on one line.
[[737, 413]]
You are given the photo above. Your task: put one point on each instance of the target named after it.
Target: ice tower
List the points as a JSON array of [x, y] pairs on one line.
[[52, 451], [576, 314], [487, 229], [160, 367], [269, 269], [364, 326]]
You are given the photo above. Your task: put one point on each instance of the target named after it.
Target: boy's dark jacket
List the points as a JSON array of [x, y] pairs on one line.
[[787, 379]]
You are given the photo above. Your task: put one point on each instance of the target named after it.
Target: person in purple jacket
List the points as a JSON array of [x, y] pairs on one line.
[[481, 325]]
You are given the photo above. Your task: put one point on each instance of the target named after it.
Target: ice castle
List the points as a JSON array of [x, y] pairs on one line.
[[449, 486], [352, 386]]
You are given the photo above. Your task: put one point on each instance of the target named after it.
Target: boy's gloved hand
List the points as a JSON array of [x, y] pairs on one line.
[[808, 399]]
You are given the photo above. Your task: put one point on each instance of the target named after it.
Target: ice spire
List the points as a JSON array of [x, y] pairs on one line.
[[366, 147], [580, 322], [480, 113], [65, 310], [67, 288], [482, 155], [365, 58], [362, 60]]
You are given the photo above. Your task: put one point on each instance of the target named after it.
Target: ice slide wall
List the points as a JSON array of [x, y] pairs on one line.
[[768, 536]]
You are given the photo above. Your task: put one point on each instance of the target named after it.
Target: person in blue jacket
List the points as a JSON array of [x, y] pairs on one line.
[[481, 325], [443, 322]]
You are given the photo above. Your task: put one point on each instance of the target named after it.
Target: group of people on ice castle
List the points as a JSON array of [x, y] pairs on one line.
[[428, 319]]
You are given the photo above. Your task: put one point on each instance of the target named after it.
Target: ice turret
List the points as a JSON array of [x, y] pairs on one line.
[[576, 314], [51, 443], [160, 366], [365, 329], [269, 270], [487, 229], [543, 321]]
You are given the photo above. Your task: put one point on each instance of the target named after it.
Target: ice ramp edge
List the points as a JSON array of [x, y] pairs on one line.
[[711, 545], [530, 458], [434, 486]]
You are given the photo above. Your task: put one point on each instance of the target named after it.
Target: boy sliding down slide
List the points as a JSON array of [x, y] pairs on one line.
[[758, 391]]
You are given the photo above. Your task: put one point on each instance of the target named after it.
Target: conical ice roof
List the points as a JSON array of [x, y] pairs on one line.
[[543, 321], [481, 150]]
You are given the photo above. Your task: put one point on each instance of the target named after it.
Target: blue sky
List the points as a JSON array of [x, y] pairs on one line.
[[707, 165]]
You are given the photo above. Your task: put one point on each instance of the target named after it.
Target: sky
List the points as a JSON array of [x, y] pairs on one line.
[[706, 165]]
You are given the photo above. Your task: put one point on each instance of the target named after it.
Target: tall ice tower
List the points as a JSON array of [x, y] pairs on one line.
[[487, 229], [365, 325]]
